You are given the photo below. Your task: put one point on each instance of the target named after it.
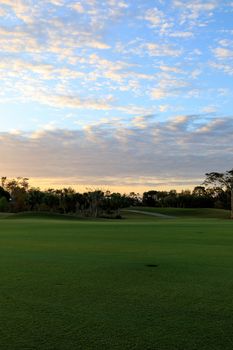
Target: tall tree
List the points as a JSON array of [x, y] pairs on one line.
[[222, 180]]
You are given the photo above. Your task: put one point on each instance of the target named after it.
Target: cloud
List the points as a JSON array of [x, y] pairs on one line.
[[22, 10], [154, 49], [223, 56], [112, 59], [164, 108], [191, 11], [73, 101], [168, 86], [225, 42], [222, 53], [56, 2], [173, 69], [159, 93], [181, 34], [209, 109], [157, 20], [78, 7], [183, 147], [226, 68], [155, 17], [196, 6]]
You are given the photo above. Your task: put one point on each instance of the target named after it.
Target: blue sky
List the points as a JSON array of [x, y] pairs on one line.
[[119, 94]]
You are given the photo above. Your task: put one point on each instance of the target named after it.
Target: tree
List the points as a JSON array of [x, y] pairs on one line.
[[51, 200], [95, 200], [4, 193], [149, 198], [4, 204], [3, 181], [199, 191], [18, 191], [224, 181], [34, 198]]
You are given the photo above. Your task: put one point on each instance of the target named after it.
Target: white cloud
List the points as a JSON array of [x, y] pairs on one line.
[[224, 57], [195, 73], [158, 21], [56, 2], [74, 102], [164, 108], [155, 17], [168, 86], [226, 68], [222, 53], [173, 69], [192, 10], [159, 93], [181, 34], [209, 109], [225, 42], [154, 49], [78, 7]]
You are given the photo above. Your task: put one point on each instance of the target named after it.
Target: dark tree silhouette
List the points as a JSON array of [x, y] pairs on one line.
[[223, 181]]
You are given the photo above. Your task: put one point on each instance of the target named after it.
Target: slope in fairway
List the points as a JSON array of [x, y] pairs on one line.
[[85, 285], [185, 212]]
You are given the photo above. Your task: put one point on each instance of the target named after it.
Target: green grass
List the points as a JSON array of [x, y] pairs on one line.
[[68, 285], [38, 215], [188, 212], [136, 217]]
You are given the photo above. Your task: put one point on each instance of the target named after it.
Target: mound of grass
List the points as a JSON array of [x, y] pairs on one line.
[[5, 215], [132, 216], [188, 212], [40, 215]]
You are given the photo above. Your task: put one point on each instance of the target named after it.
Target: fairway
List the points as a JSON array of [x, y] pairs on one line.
[[69, 284]]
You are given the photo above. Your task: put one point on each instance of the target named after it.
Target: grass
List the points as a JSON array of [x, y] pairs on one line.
[[38, 215], [188, 212], [68, 284]]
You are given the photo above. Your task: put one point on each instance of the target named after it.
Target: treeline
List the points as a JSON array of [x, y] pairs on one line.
[[200, 197], [215, 192], [17, 196]]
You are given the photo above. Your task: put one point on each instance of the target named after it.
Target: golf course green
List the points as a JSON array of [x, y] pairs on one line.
[[138, 283]]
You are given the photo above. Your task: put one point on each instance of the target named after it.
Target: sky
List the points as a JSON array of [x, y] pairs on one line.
[[120, 95]]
